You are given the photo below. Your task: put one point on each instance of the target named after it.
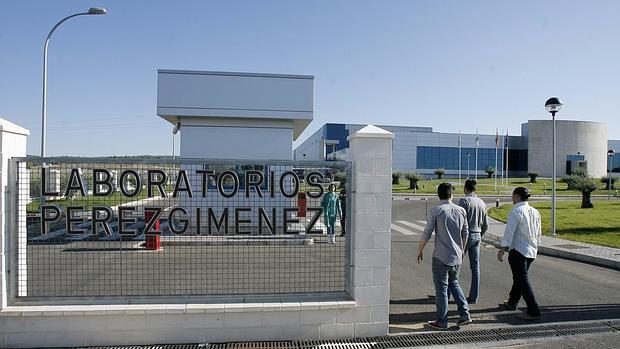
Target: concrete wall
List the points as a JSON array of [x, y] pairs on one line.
[[12, 144], [572, 137], [362, 312]]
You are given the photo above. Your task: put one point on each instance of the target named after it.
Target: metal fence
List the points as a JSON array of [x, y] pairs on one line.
[[115, 227]]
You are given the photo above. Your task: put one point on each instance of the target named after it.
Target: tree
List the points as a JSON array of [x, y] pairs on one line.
[[532, 175], [413, 179], [396, 178], [490, 171], [341, 177], [439, 172], [580, 171], [605, 180], [586, 186]]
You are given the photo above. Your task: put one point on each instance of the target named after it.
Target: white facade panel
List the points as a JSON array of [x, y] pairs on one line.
[[235, 95], [236, 143]]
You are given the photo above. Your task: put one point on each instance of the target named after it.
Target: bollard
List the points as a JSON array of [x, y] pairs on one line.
[[497, 202]]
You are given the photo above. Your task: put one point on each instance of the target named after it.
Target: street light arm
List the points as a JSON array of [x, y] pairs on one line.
[[61, 22]]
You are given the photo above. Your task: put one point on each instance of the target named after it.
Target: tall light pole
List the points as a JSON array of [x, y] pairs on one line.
[[92, 11], [468, 155], [610, 153], [553, 105]]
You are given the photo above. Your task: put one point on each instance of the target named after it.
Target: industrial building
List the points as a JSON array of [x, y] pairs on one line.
[[419, 149]]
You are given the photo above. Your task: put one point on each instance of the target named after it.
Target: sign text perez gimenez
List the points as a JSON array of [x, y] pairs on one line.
[[276, 190]]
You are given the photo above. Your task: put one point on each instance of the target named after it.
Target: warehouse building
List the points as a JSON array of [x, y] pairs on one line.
[[419, 149]]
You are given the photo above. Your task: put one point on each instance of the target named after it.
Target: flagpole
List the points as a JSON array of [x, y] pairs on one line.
[[477, 146], [460, 158], [507, 167], [503, 147], [496, 146]]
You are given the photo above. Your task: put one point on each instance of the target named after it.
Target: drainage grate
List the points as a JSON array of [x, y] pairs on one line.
[[253, 345], [613, 323], [526, 332], [335, 344], [415, 340], [574, 329]]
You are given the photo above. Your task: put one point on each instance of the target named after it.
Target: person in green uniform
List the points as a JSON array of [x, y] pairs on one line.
[[331, 210]]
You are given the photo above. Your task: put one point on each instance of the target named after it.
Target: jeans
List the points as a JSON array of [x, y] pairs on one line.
[[473, 251], [446, 279], [521, 286]]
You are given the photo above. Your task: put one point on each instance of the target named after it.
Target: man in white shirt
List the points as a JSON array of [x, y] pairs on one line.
[[521, 238]]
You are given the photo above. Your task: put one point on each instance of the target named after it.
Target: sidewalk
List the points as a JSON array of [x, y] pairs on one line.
[[573, 250]]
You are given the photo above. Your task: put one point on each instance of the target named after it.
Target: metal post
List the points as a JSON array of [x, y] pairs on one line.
[[92, 11], [553, 180], [468, 165], [611, 159]]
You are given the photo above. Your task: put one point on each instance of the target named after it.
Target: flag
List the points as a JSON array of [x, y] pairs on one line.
[[460, 139], [477, 139], [496, 139]]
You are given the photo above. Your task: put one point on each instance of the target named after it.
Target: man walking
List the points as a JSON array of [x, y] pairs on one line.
[[478, 224], [449, 222], [521, 238]]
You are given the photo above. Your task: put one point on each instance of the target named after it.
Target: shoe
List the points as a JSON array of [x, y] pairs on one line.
[[527, 317], [464, 322], [508, 306], [469, 301], [436, 325]]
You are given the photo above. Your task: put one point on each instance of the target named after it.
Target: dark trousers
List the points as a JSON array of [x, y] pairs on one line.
[[521, 287]]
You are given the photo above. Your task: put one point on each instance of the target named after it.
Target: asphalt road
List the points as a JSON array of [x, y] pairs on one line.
[[565, 290]]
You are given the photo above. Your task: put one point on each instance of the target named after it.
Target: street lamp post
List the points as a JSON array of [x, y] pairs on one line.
[[610, 153], [468, 155], [92, 11], [553, 105]]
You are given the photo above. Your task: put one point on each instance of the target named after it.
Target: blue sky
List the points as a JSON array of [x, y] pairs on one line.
[[444, 64]]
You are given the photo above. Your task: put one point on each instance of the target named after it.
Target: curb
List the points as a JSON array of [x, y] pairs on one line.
[[554, 252]]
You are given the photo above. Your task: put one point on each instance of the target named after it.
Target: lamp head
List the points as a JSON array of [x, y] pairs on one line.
[[553, 105], [97, 11], [611, 152]]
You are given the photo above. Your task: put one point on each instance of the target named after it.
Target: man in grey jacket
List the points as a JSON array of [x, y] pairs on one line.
[[449, 223], [478, 224]]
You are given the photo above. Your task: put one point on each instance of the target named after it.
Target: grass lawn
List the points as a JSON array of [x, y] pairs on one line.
[[599, 225], [486, 186]]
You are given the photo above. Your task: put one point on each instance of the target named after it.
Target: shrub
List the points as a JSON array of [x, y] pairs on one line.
[[571, 181], [413, 179], [532, 175], [340, 177], [440, 172], [605, 180], [580, 172], [490, 171], [396, 178]]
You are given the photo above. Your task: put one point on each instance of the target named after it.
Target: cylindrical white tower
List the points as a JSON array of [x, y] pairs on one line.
[[574, 139]]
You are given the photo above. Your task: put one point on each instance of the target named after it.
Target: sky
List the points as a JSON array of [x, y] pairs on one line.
[[449, 65]]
